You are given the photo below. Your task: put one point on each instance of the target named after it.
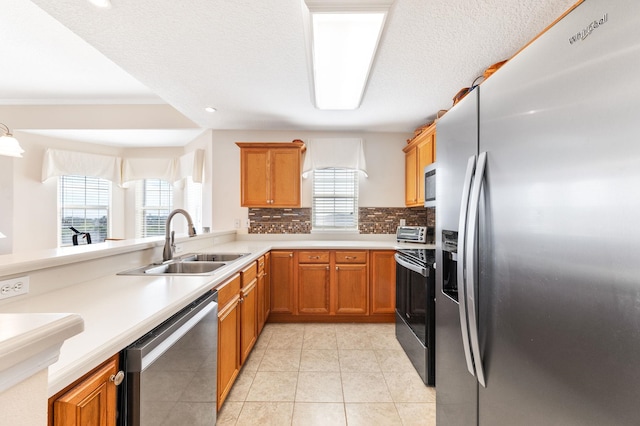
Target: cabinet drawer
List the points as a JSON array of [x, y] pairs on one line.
[[260, 263], [249, 274], [313, 257], [351, 256], [228, 290]]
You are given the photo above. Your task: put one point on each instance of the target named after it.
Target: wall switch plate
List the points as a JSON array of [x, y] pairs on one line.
[[14, 287], [247, 223], [403, 222]]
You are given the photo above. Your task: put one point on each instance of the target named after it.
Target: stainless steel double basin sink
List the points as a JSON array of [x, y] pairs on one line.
[[189, 264]]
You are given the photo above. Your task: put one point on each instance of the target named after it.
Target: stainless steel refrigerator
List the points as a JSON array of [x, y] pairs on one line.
[[538, 232]]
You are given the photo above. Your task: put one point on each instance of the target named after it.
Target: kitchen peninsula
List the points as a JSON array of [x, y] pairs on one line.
[[118, 309]]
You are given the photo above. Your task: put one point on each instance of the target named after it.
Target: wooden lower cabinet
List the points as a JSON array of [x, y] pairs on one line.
[[282, 282], [382, 267], [313, 289], [228, 336], [267, 287], [333, 285], [248, 312], [90, 401], [351, 286]]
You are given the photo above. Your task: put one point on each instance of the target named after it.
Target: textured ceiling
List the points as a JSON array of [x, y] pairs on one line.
[[247, 58]]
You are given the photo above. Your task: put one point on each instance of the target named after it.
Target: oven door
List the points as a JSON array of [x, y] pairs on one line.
[[411, 295]]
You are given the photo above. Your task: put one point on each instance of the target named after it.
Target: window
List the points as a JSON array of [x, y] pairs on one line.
[[335, 199], [84, 205], [154, 201]]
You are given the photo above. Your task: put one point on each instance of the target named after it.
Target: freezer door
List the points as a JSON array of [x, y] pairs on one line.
[[559, 242], [456, 387]]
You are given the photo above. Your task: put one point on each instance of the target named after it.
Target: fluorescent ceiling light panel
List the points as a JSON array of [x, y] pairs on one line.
[[344, 36]]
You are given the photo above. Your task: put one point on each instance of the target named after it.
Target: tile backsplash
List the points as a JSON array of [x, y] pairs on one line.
[[371, 220]]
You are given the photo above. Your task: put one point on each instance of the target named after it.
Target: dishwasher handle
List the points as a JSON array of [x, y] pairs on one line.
[[148, 349]]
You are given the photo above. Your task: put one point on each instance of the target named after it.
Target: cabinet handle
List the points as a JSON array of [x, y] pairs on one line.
[[337, 268], [290, 254], [314, 257], [327, 267], [241, 300], [117, 378], [350, 257]]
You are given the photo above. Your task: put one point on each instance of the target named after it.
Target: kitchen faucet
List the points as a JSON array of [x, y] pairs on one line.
[[169, 240]]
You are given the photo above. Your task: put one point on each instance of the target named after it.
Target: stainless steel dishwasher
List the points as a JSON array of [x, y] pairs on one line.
[[172, 370]]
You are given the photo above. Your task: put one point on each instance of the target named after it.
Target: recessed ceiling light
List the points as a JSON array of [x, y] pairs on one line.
[[210, 109], [102, 4]]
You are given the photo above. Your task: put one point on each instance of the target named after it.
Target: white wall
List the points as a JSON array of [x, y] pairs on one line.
[[6, 203], [383, 188]]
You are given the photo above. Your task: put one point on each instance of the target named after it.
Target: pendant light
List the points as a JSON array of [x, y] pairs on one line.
[[9, 145]]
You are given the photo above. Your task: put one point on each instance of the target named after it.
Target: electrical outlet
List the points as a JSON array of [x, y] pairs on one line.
[[237, 223], [14, 287], [179, 248], [403, 222], [247, 223]]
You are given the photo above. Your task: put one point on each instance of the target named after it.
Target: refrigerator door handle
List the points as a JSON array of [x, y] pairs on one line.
[[462, 225], [470, 259]]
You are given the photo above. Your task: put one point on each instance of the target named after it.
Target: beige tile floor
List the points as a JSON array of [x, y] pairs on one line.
[[328, 374]]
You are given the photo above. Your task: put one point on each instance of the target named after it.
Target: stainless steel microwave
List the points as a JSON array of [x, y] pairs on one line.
[[430, 185]]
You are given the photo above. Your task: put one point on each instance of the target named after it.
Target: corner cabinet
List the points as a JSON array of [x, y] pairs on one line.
[[419, 152], [270, 173]]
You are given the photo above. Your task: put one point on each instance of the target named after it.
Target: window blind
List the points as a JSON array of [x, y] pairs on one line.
[[84, 205], [335, 199], [154, 201]]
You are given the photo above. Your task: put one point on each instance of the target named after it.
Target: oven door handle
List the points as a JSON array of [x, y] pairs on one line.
[[410, 266]]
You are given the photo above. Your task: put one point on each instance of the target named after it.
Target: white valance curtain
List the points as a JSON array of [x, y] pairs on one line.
[[119, 170], [59, 163], [345, 153]]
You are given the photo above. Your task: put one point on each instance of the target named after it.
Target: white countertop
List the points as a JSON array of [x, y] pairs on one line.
[[31, 342], [118, 309]]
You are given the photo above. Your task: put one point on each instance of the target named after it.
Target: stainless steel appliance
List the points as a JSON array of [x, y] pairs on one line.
[[415, 304], [430, 185], [537, 242], [172, 371]]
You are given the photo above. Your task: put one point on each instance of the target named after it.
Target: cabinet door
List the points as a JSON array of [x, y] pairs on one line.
[[351, 290], [282, 282], [228, 347], [248, 319], [410, 173], [267, 286], [284, 167], [92, 402], [383, 282], [425, 157], [260, 291], [254, 179], [313, 289]]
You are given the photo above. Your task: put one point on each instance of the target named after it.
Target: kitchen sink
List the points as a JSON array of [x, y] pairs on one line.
[[185, 268], [213, 257], [189, 264]]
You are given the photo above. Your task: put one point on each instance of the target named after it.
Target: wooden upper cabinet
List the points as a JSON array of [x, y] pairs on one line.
[[270, 173], [420, 152]]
